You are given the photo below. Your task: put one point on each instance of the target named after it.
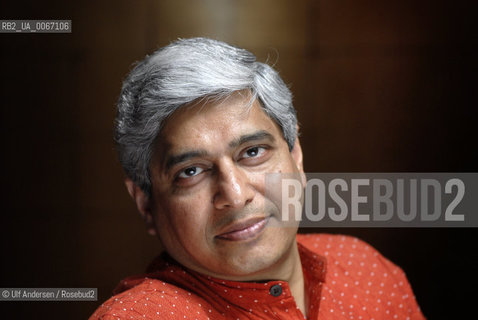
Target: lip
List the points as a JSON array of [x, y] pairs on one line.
[[243, 230]]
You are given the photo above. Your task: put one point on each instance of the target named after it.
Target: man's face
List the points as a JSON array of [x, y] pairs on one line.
[[208, 203]]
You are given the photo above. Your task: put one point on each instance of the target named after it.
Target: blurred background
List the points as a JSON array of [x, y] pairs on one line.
[[380, 86]]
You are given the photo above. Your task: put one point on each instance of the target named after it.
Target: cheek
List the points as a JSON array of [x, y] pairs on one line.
[[284, 192], [183, 220], [260, 178], [257, 181]]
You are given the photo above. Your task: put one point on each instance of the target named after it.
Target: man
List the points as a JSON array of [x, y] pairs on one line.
[[200, 123]]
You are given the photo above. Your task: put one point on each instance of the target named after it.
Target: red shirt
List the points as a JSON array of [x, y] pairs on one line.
[[345, 278]]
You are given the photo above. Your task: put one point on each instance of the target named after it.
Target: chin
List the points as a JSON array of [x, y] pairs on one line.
[[254, 263]]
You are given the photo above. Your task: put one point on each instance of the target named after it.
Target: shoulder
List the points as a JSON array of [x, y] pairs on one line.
[[323, 241], [339, 248], [349, 253], [354, 268], [150, 299]]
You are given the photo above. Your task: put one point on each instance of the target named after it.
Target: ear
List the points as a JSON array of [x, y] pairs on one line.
[[296, 154], [143, 203]]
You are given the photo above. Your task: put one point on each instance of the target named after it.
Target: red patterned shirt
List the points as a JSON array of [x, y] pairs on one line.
[[345, 278]]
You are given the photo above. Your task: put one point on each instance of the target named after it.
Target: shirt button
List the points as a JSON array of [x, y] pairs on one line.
[[276, 290]]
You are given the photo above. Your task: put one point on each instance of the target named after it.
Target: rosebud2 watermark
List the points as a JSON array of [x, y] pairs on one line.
[[377, 199]]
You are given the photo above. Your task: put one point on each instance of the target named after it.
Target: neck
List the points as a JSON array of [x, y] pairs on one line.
[[288, 269], [291, 271]]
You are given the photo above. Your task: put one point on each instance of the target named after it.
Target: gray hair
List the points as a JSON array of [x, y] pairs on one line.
[[180, 73]]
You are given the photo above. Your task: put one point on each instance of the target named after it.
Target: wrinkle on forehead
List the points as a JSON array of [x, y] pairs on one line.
[[242, 103], [238, 107]]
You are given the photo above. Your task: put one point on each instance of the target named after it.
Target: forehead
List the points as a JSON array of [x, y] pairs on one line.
[[211, 125]]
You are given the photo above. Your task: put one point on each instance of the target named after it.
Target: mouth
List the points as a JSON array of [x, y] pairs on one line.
[[243, 230]]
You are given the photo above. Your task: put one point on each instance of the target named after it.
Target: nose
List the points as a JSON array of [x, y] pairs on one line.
[[234, 190]]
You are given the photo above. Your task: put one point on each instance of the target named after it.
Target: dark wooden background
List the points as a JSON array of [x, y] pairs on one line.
[[380, 86]]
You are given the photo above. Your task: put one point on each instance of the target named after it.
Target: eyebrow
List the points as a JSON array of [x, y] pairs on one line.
[[259, 135], [173, 160]]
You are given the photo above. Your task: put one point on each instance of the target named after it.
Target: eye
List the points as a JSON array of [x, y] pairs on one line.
[[190, 172], [254, 152]]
